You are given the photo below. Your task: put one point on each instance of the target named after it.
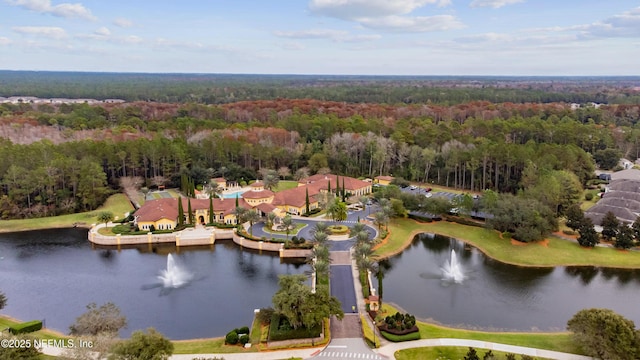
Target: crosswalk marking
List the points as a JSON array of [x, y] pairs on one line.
[[344, 355]]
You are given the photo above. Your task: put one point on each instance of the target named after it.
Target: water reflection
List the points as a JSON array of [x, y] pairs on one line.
[[498, 295], [229, 282]]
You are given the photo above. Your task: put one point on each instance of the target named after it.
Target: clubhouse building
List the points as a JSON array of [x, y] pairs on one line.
[[162, 214]]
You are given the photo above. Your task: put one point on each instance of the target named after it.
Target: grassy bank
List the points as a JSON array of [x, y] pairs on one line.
[[6, 321], [553, 252], [560, 341], [446, 352], [118, 204]]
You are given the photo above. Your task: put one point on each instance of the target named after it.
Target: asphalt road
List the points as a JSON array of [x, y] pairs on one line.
[[341, 280]]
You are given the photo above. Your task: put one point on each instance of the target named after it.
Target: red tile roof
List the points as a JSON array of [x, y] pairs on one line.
[[263, 194], [154, 210], [350, 183]]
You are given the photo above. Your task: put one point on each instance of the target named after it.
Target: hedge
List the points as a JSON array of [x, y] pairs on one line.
[[463, 221], [279, 329], [420, 218], [26, 327], [399, 338]]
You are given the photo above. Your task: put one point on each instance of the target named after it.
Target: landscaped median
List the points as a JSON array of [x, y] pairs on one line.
[[552, 252]]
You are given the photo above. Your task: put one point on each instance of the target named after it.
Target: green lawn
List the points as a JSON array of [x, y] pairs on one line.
[[42, 334], [285, 185], [207, 346], [560, 341], [445, 353], [556, 252], [118, 204]]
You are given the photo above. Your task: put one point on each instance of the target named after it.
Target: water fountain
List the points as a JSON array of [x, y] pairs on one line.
[[452, 270], [174, 276]]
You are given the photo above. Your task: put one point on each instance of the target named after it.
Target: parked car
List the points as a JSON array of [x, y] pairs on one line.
[[413, 187]]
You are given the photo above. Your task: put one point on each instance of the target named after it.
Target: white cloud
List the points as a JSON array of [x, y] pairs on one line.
[[65, 10], [333, 35], [414, 24], [4, 41], [103, 31], [123, 23], [388, 15], [494, 3], [353, 9], [42, 31]]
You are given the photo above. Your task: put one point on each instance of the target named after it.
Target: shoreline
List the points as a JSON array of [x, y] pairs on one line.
[[487, 253]]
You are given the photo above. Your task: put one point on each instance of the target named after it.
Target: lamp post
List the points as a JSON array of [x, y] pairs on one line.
[[374, 334]]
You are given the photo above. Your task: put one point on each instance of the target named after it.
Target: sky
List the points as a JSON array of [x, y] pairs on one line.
[[355, 37]]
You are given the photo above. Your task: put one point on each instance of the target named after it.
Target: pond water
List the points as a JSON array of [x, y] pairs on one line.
[[495, 295], [54, 274]]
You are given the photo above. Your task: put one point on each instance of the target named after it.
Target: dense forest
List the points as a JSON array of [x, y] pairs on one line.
[[228, 88], [60, 158]]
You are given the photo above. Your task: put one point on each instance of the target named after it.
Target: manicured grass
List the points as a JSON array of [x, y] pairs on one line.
[[207, 346], [445, 353], [368, 332], [5, 322], [586, 205], [118, 204], [285, 185], [560, 341], [554, 252]]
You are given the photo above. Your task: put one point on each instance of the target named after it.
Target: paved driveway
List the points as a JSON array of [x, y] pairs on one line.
[[341, 284]]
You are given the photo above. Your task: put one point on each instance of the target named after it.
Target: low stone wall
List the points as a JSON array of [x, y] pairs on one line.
[[269, 246], [186, 239]]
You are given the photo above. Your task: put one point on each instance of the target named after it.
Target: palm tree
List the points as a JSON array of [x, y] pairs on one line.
[[363, 200], [271, 217], [356, 228], [321, 267], [380, 218], [320, 252], [362, 237], [337, 210], [320, 238], [213, 189], [105, 217], [287, 222], [240, 212], [252, 217], [321, 227]]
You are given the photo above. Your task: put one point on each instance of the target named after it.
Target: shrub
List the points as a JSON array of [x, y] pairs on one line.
[[122, 229], [507, 235], [462, 221], [242, 330], [280, 329], [569, 232], [420, 218], [588, 196], [294, 239], [338, 229], [265, 314], [244, 339], [26, 327], [231, 338], [399, 338]]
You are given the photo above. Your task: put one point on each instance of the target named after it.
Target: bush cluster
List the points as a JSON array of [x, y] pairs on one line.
[[312, 212], [462, 221], [588, 196], [420, 218], [239, 335], [281, 329], [399, 321], [398, 338], [338, 229]]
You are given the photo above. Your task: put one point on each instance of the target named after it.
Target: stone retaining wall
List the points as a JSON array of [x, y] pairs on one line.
[[175, 238]]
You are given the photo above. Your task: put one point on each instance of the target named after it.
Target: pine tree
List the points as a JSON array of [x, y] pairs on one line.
[[180, 212], [588, 235], [574, 216], [610, 225], [624, 239], [211, 215], [636, 229], [189, 210]]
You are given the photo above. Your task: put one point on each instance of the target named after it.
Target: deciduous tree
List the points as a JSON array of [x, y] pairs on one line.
[[610, 225], [105, 319], [151, 345], [605, 334]]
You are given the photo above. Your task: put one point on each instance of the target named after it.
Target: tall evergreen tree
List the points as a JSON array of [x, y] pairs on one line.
[[574, 216], [329, 187], [624, 239], [344, 191], [636, 229], [237, 201], [306, 200], [588, 235], [211, 215], [337, 186], [189, 211], [180, 212], [610, 226]]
